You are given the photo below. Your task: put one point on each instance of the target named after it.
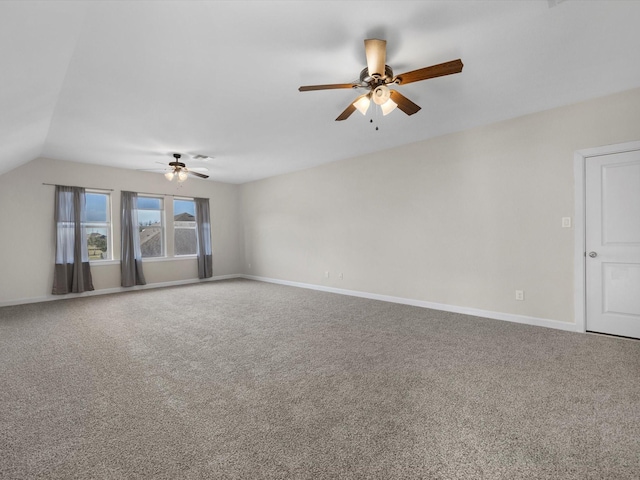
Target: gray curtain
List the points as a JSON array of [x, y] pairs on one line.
[[203, 229], [131, 262], [72, 273]]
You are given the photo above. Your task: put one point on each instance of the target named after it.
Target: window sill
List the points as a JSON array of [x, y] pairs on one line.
[[95, 263], [168, 259]]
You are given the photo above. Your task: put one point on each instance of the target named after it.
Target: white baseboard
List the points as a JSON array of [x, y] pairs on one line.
[[106, 291], [508, 317]]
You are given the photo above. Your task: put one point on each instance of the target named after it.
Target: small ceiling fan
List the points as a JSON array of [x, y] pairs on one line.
[[377, 77], [180, 170]]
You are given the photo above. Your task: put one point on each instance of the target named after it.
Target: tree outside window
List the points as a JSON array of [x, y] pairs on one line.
[[98, 225]]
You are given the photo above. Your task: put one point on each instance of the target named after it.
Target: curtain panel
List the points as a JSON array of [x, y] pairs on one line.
[[203, 229], [72, 273], [131, 256]]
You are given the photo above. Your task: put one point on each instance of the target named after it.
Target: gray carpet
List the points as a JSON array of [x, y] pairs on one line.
[[248, 380]]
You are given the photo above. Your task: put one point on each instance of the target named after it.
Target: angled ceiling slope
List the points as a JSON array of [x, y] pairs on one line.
[[37, 40]]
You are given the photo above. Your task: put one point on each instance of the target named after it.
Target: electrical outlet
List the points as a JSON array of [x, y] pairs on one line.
[[326, 274], [519, 294], [340, 276], [566, 222]]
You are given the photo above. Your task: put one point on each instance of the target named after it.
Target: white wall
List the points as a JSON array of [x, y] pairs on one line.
[[27, 229], [463, 220]]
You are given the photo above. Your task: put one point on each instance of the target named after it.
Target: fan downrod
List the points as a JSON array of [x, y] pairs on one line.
[[177, 163]]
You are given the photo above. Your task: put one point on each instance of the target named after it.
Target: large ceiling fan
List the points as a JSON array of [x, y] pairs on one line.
[[377, 78], [180, 170]]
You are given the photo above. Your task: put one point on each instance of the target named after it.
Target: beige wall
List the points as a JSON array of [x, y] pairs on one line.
[[27, 227], [464, 219]]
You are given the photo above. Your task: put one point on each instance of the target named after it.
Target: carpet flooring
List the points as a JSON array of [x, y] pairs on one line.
[[246, 380]]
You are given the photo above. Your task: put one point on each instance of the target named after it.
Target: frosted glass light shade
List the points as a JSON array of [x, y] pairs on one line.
[[362, 104], [182, 176], [388, 107], [169, 175], [381, 94]]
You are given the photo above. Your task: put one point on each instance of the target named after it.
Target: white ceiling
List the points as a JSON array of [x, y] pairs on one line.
[[126, 83]]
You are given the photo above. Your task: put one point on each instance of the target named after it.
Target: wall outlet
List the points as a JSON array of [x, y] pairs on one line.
[[566, 222], [519, 294], [326, 274], [340, 276]]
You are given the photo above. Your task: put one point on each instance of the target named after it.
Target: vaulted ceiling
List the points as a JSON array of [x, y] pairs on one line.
[[126, 84]]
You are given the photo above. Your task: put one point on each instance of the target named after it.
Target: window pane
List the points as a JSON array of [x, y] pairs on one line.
[[186, 241], [97, 243], [149, 217], [150, 226], [184, 206], [150, 203], [97, 226], [97, 207], [184, 222], [151, 241]]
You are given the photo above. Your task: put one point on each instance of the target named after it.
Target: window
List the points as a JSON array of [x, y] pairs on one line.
[[165, 236], [98, 225], [184, 227], [151, 226]]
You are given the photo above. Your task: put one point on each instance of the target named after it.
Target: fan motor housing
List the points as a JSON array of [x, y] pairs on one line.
[[374, 81]]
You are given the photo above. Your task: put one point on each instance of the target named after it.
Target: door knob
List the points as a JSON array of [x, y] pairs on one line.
[[593, 254]]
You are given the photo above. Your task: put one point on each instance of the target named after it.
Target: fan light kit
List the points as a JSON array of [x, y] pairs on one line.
[[180, 171], [377, 77]]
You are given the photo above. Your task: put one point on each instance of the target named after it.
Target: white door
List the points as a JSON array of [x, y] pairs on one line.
[[613, 244]]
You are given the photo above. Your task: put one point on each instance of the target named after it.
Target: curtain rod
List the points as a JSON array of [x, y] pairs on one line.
[[141, 193], [90, 188], [164, 194]]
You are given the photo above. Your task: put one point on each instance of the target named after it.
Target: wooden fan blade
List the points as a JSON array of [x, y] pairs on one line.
[[350, 109], [347, 113], [447, 68], [197, 174], [404, 104], [309, 88], [376, 53]]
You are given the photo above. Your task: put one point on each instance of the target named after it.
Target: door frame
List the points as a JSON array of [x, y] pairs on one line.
[[580, 159]]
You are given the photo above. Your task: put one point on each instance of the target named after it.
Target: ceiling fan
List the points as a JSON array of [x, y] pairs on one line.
[[180, 170], [377, 77]]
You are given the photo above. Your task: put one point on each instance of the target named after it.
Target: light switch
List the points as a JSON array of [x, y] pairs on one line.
[[566, 222]]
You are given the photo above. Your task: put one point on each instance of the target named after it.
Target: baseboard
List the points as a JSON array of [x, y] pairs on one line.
[[508, 317], [106, 291]]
